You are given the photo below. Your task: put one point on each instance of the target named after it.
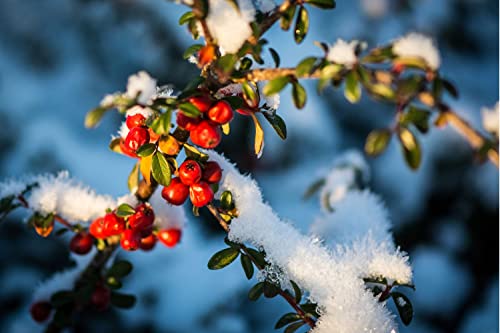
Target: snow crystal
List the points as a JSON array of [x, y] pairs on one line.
[[141, 85], [491, 119], [271, 101], [417, 45], [333, 278], [71, 200], [343, 53], [166, 215], [228, 26]]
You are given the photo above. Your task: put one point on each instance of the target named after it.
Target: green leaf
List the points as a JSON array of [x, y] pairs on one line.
[[223, 258], [410, 147], [404, 307], [276, 85], [313, 188], [245, 64], [161, 125], [189, 110], [450, 88], [146, 149], [377, 141], [120, 269], [277, 123], [113, 283], [250, 94], [125, 210], [124, 301], [287, 17], [330, 71], [193, 153], [226, 200], [416, 116], [310, 308], [352, 88], [186, 17], [305, 67], [276, 57], [256, 291], [192, 85], [293, 327], [62, 298], [297, 291], [323, 4], [258, 257], [301, 25], [161, 169], [227, 62], [299, 95], [382, 90], [270, 289], [94, 116], [286, 319], [192, 50], [247, 265], [133, 178]]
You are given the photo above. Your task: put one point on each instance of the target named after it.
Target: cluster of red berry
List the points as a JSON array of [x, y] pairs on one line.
[[100, 300], [135, 231], [204, 131], [138, 135], [195, 181]]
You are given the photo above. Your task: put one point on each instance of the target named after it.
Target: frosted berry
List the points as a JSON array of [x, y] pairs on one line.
[[97, 228], [206, 135], [142, 220], [202, 103], [131, 240], [136, 138], [148, 243], [212, 173], [188, 123], [40, 311], [126, 150], [190, 172], [113, 224], [135, 120], [170, 237], [81, 243], [100, 298], [221, 112], [175, 193], [200, 194]]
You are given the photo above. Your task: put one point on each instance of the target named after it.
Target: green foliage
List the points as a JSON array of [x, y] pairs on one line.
[[223, 258]]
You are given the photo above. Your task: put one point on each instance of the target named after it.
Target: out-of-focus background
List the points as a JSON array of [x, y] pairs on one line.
[[58, 58]]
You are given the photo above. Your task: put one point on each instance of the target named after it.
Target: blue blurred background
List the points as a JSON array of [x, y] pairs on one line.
[[58, 58]]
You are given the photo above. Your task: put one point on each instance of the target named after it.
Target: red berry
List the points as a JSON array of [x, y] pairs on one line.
[[169, 237], [136, 138], [212, 173], [81, 243], [148, 243], [153, 137], [175, 193], [100, 298], [206, 135], [186, 122], [40, 311], [113, 224], [200, 194], [244, 111], [202, 103], [190, 172], [135, 120], [97, 228], [131, 240], [142, 220], [126, 150], [221, 112]]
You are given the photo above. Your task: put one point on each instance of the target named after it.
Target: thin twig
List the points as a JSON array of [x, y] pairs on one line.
[[282, 293]]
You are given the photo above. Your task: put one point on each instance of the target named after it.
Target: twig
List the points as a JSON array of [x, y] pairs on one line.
[[269, 21], [281, 292]]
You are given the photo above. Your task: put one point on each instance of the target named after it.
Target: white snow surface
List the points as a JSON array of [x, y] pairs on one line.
[[228, 26], [333, 277], [343, 53], [418, 45], [491, 119], [141, 85]]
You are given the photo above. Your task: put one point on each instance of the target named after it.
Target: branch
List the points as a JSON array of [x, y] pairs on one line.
[[475, 139], [269, 21], [266, 74], [282, 293]]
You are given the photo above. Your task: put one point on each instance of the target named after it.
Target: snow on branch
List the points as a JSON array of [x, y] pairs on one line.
[[333, 277], [420, 46]]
